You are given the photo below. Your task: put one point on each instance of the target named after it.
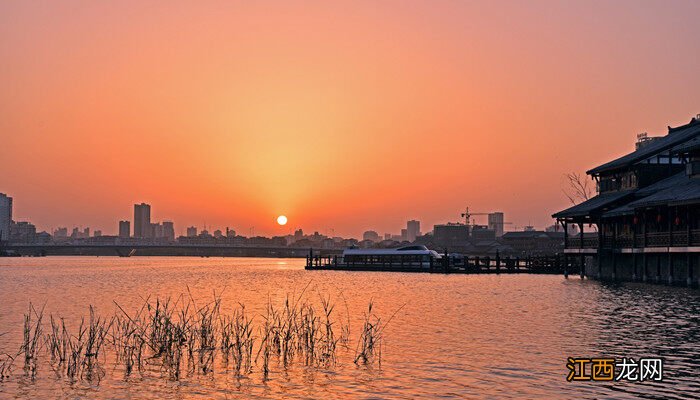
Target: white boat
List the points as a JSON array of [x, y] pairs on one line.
[[414, 256]]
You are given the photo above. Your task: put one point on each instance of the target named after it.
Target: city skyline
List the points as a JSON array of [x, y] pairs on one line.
[[338, 117], [142, 226]]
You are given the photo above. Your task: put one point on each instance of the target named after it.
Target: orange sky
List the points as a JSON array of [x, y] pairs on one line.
[[342, 116]]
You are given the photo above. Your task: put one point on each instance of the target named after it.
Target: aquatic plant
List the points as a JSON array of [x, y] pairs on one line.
[[177, 335]]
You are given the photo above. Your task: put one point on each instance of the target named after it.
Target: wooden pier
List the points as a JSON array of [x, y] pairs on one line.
[[556, 264]]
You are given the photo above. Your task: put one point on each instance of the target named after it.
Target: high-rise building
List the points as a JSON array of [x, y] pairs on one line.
[[371, 235], [60, 233], [169, 230], [496, 223], [5, 216], [23, 232], [192, 231], [156, 230], [412, 230], [142, 221], [124, 229], [404, 235]]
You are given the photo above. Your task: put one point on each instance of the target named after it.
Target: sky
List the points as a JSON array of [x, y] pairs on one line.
[[343, 116]]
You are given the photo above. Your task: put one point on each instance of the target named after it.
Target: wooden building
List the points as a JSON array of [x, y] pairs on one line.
[[646, 214]]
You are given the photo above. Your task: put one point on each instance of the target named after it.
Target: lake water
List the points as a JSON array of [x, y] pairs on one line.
[[457, 336]]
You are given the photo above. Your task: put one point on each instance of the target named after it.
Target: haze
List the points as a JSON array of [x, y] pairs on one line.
[[342, 116]]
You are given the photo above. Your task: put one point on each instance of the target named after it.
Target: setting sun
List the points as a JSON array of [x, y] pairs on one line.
[[282, 220]]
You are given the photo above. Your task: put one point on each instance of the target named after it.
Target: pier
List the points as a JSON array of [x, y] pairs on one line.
[[556, 264]]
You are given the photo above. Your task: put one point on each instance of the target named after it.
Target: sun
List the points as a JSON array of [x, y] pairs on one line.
[[282, 220]]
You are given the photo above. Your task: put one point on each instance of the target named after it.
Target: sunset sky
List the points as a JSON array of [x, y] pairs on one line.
[[341, 115]]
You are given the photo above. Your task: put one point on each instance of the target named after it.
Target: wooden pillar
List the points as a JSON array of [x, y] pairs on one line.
[[616, 232], [670, 268], [634, 266], [645, 265], [689, 266], [644, 227], [658, 268], [566, 267], [669, 225], [687, 225]]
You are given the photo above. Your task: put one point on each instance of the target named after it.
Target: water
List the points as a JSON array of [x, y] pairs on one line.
[[458, 336]]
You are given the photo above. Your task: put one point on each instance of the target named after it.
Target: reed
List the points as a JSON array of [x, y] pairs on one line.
[[369, 346], [179, 334], [31, 339]]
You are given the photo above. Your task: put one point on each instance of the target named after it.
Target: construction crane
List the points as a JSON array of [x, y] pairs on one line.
[[467, 215]]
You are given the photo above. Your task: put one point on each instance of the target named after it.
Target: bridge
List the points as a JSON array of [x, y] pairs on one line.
[[127, 250]]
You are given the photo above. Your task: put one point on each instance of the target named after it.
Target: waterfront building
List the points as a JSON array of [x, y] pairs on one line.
[[644, 223], [142, 221], [97, 233], [5, 216], [412, 230], [124, 229]]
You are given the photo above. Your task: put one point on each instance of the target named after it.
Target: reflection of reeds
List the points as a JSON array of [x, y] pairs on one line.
[[178, 334], [6, 366]]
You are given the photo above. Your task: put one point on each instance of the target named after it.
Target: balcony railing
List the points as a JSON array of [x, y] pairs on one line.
[[681, 238], [588, 242]]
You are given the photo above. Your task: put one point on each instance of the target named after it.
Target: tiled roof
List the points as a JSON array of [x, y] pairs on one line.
[[599, 203], [676, 136]]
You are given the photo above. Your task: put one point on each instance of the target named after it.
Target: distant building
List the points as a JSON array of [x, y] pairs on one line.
[[142, 221], [495, 223], [192, 231], [124, 229], [412, 230], [169, 230], [451, 234], [230, 233], [532, 242], [60, 233], [404, 234], [97, 233], [23, 232], [86, 232], [218, 234], [371, 236], [156, 230], [480, 232], [387, 236], [298, 235], [5, 216]]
